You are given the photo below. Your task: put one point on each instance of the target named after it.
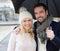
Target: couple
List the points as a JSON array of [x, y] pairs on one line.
[[44, 35]]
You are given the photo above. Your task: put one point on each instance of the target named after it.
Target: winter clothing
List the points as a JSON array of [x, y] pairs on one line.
[[52, 45], [24, 14], [21, 42], [41, 29]]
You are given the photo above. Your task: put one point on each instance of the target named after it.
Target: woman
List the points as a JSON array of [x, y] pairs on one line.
[[24, 40]]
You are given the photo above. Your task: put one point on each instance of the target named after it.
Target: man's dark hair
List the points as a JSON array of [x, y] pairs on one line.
[[41, 4]]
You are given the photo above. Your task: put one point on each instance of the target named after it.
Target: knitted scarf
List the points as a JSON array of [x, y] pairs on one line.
[[41, 29]]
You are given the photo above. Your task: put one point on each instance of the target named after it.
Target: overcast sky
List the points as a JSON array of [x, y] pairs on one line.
[[7, 3]]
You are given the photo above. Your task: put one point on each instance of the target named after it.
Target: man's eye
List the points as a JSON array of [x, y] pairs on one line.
[[41, 12], [35, 13]]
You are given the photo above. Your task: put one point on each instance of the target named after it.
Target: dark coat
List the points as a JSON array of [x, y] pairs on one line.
[[52, 45], [35, 35]]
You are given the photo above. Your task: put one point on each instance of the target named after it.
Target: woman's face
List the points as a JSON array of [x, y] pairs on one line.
[[27, 23]]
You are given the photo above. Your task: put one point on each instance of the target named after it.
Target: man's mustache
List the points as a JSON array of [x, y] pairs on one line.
[[40, 17]]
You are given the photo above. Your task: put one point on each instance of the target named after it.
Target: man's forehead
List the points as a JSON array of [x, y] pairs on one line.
[[39, 8]]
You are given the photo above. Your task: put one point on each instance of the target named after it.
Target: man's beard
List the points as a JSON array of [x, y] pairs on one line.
[[41, 22]]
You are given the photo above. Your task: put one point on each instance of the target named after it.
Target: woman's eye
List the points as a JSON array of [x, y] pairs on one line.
[[29, 20], [24, 21]]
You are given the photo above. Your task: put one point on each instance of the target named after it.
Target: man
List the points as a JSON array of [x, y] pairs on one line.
[[46, 29]]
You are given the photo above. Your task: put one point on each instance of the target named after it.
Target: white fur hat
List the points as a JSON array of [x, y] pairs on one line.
[[24, 14]]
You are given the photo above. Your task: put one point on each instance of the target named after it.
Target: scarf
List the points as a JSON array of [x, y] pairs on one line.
[[41, 29]]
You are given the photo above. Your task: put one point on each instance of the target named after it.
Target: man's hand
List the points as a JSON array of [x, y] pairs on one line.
[[17, 30], [50, 34]]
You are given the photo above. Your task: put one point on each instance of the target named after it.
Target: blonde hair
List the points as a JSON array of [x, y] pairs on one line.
[[22, 31]]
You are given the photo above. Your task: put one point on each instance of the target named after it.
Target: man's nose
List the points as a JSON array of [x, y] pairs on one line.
[[39, 15]]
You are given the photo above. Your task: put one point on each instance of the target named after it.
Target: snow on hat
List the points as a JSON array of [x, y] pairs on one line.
[[24, 14]]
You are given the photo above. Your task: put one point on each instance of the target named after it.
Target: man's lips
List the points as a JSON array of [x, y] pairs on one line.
[[40, 17]]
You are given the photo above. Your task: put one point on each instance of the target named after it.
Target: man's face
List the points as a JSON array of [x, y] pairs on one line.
[[40, 14]]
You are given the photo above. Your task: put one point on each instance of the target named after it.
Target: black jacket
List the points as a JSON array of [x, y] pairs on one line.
[[52, 45]]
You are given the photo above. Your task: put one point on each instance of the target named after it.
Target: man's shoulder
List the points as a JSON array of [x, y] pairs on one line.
[[35, 22], [35, 25], [54, 23]]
